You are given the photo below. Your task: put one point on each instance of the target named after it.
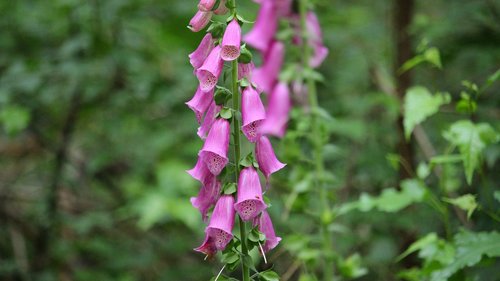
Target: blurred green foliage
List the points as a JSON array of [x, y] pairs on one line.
[[92, 114]]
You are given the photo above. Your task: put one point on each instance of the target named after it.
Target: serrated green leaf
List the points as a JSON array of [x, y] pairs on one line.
[[465, 202], [470, 248], [419, 104], [471, 140]]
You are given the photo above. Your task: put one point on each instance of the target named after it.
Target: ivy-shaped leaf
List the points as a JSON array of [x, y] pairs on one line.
[[419, 104], [471, 140], [470, 248]]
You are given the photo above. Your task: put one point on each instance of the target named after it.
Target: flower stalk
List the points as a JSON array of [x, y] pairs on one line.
[[318, 144], [245, 271]]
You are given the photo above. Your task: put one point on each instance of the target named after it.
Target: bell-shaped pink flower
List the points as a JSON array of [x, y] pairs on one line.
[[221, 223], [245, 70], [207, 247], [249, 203], [266, 226], [206, 5], [200, 171], [199, 21], [198, 57], [319, 55], [222, 9], [208, 195], [209, 119], [277, 111], [230, 47], [264, 29], [200, 103], [253, 113], [266, 76], [214, 152], [208, 74], [316, 40], [268, 163]]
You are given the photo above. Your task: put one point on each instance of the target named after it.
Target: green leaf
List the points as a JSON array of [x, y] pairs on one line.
[[351, 267], [216, 29], [494, 77], [230, 257], [392, 201], [423, 171], [419, 245], [222, 95], [229, 188], [465, 202], [411, 63], [248, 160], [245, 55], [420, 104], [14, 118], [471, 140], [269, 276], [226, 113], [432, 56], [470, 248], [432, 249]]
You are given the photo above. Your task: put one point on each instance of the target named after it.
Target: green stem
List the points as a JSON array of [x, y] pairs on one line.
[[318, 143], [237, 154]]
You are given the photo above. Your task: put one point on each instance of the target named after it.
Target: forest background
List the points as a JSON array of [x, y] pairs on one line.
[[95, 139]]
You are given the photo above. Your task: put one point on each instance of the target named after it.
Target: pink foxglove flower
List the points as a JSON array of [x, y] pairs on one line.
[[249, 203], [264, 29], [268, 163], [200, 171], [316, 40], [222, 9], [198, 57], [214, 152], [207, 247], [209, 119], [253, 113], [199, 21], [206, 5], [266, 226], [208, 195], [266, 76], [208, 74], [245, 70], [277, 111], [222, 221], [231, 41], [200, 103]]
